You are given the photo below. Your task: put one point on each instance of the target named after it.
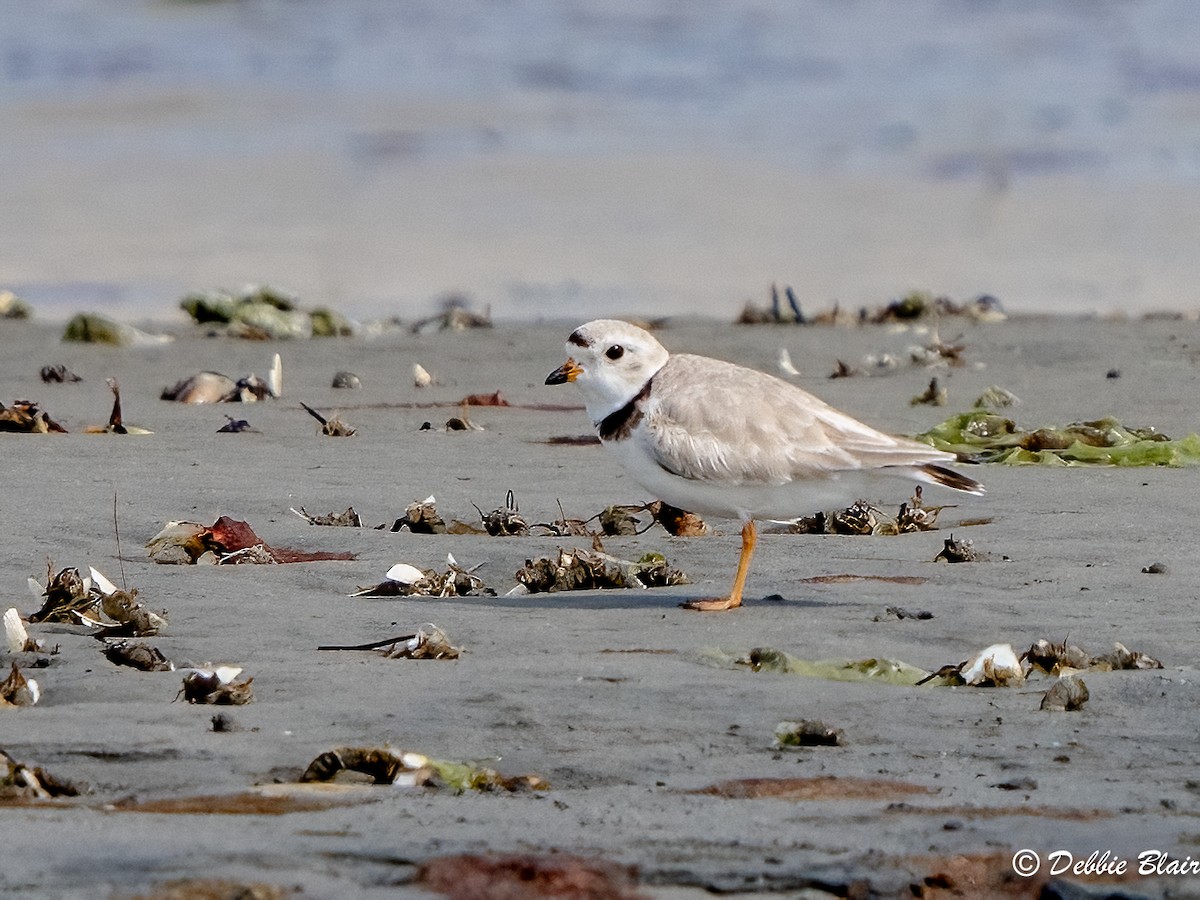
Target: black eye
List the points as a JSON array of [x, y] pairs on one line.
[[616, 351]]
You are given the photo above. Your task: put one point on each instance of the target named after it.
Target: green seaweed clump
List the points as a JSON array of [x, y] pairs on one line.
[[985, 437]]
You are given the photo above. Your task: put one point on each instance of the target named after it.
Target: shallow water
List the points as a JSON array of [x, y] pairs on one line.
[[252, 138]]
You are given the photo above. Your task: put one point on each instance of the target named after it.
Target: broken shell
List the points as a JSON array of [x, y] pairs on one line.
[[421, 378], [404, 573], [996, 666], [346, 380], [15, 635], [785, 362]]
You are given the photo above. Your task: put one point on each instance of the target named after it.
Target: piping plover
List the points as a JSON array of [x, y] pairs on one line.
[[718, 439]]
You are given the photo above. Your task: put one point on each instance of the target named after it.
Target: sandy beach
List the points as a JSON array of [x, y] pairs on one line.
[[611, 696]]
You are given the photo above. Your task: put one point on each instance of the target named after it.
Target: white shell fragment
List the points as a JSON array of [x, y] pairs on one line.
[[785, 362], [275, 378], [421, 378], [404, 573], [103, 585], [995, 665], [15, 634]]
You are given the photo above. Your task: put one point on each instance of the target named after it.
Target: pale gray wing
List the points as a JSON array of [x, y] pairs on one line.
[[714, 421]]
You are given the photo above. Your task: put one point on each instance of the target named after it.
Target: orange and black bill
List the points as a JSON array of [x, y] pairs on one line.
[[568, 371]]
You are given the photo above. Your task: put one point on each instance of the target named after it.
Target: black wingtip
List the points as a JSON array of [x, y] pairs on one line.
[[953, 480]]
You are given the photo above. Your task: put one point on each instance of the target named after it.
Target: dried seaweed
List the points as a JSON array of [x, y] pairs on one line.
[[808, 733], [58, 374], [333, 426], [67, 595], [347, 519], [421, 517], [1067, 694], [986, 437], [404, 580], [137, 655], [26, 417], [505, 522], [17, 690], [584, 570], [955, 551], [387, 765], [766, 659], [934, 395], [226, 542], [21, 782]]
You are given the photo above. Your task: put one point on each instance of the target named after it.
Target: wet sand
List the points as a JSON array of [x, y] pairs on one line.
[[605, 694]]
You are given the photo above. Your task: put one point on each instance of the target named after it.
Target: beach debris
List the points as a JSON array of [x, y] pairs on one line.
[[934, 395], [996, 397], [1122, 658], [17, 690], [994, 666], [752, 314], [328, 322], [16, 638], [858, 518], [1055, 658], [936, 352], [260, 312], [1155, 568], [67, 594], [527, 875], [13, 307], [59, 374], [91, 328], [404, 580], [564, 527], [956, 551], [454, 316], [21, 782], [784, 363], [462, 422], [619, 519], [506, 521], [843, 369], [332, 427], [117, 613], [226, 542], [924, 304], [137, 655], [116, 423], [26, 417], [429, 642], [676, 521], [421, 377], [421, 517], [900, 612], [982, 436], [495, 398], [402, 768], [347, 519], [587, 570], [767, 659], [1068, 693], [346, 381], [237, 426], [213, 387], [216, 686], [808, 733]]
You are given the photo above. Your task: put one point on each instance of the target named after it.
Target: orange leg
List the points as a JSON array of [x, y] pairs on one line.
[[734, 600]]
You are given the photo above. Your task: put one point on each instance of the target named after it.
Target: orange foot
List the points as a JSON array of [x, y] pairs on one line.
[[714, 604]]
